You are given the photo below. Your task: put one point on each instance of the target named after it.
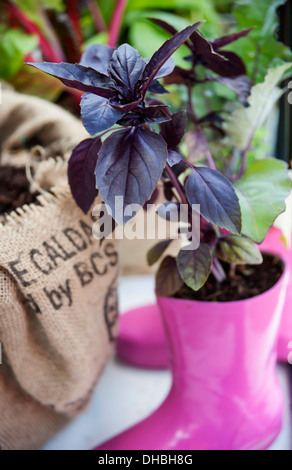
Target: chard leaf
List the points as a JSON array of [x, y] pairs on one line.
[[164, 52], [238, 250], [130, 164], [157, 251], [79, 77], [81, 168], [97, 113], [195, 266], [168, 279], [242, 124], [125, 68], [173, 131], [260, 49], [217, 198], [262, 192], [14, 45], [97, 57]]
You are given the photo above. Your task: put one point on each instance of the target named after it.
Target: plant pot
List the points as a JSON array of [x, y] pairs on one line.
[[274, 244], [225, 392], [141, 339]]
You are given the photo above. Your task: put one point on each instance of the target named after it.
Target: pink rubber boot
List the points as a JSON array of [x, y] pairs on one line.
[[225, 393], [141, 340], [274, 244]]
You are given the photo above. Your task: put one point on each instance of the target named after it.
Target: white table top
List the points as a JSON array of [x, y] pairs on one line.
[[125, 394]]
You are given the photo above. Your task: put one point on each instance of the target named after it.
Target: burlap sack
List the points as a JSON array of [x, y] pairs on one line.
[[58, 302], [58, 315], [27, 122]]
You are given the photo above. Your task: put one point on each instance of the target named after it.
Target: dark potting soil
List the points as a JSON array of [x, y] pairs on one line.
[[247, 281], [14, 189]]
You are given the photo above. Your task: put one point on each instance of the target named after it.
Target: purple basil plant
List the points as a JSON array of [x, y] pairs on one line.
[[118, 86]]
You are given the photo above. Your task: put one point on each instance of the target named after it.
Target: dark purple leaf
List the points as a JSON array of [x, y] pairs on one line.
[[81, 176], [168, 280], [211, 117], [151, 114], [155, 103], [97, 56], [195, 266], [155, 115], [173, 131], [131, 119], [126, 68], [157, 251], [217, 129], [197, 145], [97, 113], [229, 38], [164, 52], [130, 164], [241, 85], [173, 157], [153, 198], [166, 69], [156, 87], [178, 76], [202, 47], [124, 107], [179, 168], [231, 67], [216, 196], [168, 190], [163, 24], [79, 77], [224, 63]]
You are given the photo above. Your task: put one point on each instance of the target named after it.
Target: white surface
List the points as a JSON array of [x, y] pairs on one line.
[[125, 395]]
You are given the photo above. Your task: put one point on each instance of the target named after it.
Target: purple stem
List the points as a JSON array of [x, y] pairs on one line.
[[192, 113], [243, 160], [176, 184], [52, 37], [210, 159], [218, 271], [186, 162], [116, 22]]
